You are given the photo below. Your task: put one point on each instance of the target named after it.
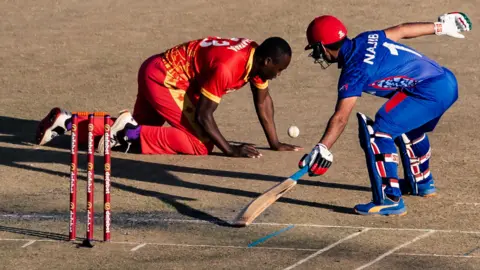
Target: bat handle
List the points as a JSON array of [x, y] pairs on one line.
[[299, 173]]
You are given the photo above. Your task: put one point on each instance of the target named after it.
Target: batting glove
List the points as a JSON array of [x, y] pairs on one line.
[[319, 160], [452, 24]]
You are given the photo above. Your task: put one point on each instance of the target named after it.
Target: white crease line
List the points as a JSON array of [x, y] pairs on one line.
[[328, 226], [29, 243], [172, 244], [466, 203], [13, 239], [395, 249], [193, 221], [28, 216], [138, 247], [217, 246], [436, 255], [23, 239], [325, 249], [370, 228], [343, 227]]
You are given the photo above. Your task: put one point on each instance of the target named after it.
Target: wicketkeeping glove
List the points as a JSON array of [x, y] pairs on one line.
[[319, 160], [452, 24]]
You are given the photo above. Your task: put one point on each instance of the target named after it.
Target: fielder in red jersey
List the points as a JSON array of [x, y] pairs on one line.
[[183, 87]]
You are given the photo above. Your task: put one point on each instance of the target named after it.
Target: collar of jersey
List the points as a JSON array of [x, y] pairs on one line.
[[249, 64], [345, 52]]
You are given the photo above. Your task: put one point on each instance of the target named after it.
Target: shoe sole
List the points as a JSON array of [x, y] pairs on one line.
[[113, 129], [434, 194], [380, 214], [46, 124]]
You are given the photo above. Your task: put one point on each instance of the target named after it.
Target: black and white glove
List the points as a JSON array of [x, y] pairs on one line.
[[318, 161], [452, 24]]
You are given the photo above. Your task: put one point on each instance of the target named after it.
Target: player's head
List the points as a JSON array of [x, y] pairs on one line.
[[326, 35], [272, 57]]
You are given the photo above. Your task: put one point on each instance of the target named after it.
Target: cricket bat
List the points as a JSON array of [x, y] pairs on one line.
[[258, 205]]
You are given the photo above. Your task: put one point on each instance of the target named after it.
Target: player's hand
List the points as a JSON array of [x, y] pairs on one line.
[[285, 147], [452, 24], [319, 160], [245, 150]]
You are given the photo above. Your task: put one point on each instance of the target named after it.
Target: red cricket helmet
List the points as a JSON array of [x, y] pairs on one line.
[[326, 30]]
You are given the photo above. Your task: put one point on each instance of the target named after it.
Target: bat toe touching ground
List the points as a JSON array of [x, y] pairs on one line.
[[258, 205]]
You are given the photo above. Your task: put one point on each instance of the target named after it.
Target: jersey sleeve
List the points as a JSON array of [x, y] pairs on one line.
[[259, 83], [214, 82], [351, 83]]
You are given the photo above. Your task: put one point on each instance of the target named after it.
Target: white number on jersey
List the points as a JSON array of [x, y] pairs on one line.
[[217, 42], [394, 48]]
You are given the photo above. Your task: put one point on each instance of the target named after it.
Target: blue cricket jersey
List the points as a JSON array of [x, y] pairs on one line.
[[374, 64]]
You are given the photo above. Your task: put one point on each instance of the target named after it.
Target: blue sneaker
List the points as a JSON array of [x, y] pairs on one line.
[[389, 207], [426, 189]]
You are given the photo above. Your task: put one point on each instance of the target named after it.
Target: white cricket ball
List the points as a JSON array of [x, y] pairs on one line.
[[293, 131]]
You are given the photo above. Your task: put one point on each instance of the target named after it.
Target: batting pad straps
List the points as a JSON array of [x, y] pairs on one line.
[[381, 159], [384, 157], [379, 134], [419, 152], [387, 158], [422, 159], [422, 176], [418, 140]]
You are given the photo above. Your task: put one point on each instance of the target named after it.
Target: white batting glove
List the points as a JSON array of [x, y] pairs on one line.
[[451, 24], [318, 161]]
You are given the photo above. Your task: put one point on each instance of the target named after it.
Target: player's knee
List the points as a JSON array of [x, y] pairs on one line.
[[379, 147]]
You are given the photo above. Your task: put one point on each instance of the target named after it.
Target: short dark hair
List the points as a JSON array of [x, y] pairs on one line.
[[274, 47], [335, 46]]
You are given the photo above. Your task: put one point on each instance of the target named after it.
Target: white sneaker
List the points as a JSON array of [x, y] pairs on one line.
[[117, 131], [52, 126]]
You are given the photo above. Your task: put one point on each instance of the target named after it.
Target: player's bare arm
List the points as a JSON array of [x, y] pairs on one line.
[[410, 30], [320, 158], [448, 24], [338, 121], [265, 112], [204, 116]]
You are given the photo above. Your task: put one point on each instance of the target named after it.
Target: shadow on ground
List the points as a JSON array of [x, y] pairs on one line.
[[21, 132], [40, 234]]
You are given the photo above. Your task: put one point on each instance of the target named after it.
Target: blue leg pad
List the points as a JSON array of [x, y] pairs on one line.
[[415, 153], [381, 160]]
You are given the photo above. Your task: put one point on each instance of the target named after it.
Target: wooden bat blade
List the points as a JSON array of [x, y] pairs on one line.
[[258, 205]]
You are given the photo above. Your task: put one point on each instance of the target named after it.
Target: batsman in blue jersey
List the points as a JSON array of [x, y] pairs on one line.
[[419, 92]]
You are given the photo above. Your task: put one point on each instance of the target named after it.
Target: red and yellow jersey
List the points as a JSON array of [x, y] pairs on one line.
[[211, 66]]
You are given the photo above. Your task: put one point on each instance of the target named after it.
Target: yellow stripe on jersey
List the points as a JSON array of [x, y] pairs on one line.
[[249, 64], [210, 96], [261, 86]]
